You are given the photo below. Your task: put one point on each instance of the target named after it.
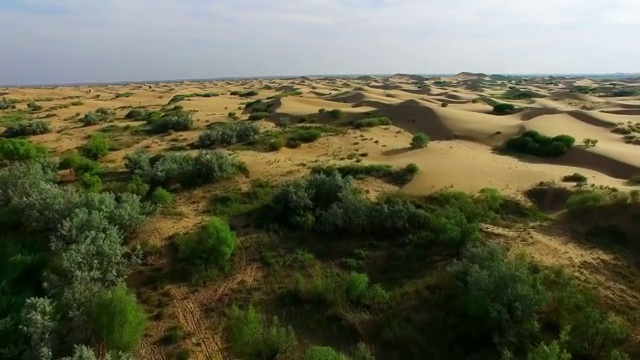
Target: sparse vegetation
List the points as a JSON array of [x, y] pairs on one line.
[[28, 128], [371, 122], [588, 142], [504, 108], [386, 172], [225, 134], [575, 177]]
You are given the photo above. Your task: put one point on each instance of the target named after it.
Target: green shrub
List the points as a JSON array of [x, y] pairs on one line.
[[250, 337], [305, 135], [575, 177], [7, 104], [235, 92], [504, 108], [283, 122], [161, 197], [95, 118], [228, 134], [419, 140], [276, 144], [386, 172], [533, 143], [249, 93], [33, 106], [585, 199], [96, 147], [324, 353], [174, 335], [79, 164], [27, 128], [137, 186], [259, 115], [321, 111], [210, 248], [172, 121], [117, 319], [20, 150], [336, 113], [91, 182], [178, 98], [501, 298], [371, 122], [135, 114]]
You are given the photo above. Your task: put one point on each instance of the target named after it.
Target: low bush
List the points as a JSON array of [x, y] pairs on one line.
[[575, 177], [305, 135], [33, 106], [582, 200], [27, 128], [504, 108], [79, 164], [209, 248], [21, 150], [172, 121], [182, 169], [259, 116], [283, 122], [178, 98], [251, 337], [161, 197], [276, 144], [7, 104], [249, 93], [336, 114], [137, 186], [324, 353], [91, 182], [371, 122], [419, 140], [339, 290], [386, 172], [228, 134], [135, 114], [95, 118], [534, 143], [96, 147]]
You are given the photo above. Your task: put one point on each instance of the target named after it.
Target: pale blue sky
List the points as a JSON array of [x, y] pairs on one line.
[[70, 41]]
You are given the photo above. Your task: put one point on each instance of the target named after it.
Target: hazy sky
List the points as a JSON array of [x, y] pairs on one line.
[[62, 41]]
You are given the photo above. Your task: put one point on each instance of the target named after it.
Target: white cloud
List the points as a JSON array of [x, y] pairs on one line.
[[153, 39]]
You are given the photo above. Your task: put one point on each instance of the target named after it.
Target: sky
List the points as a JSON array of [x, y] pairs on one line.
[[79, 41]]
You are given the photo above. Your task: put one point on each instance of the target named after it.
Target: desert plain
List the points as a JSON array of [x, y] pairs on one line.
[[464, 153]]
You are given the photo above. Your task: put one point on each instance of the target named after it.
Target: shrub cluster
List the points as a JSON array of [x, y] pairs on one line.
[[305, 134], [97, 117], [504, 108], [419, 140], [96, 147], [20, 150], [382, 171], [182, 169], [259, 115], [7, 104], [225, 134], [31, 105], [534, 143], [135, 114], [209, 248], [336, 114], [178, 120], [27, 128], [79, 164], [371, 122], [251, 337], [575, 177], [336, 289]]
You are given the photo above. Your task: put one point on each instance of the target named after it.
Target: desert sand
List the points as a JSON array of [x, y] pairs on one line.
[[463, 134]]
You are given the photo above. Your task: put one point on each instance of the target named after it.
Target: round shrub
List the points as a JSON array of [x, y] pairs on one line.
[[276, 144], [161, 197], [96, 147], [91, 182], [336, 113], [419, 140], [504, 108], [27, 128], [211, 247], [135, 114]]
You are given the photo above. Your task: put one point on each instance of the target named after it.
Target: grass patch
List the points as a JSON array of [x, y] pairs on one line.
[[14, 117], [236, 202]]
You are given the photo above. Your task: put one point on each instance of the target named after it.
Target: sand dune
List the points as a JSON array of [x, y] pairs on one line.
[[463, 131]]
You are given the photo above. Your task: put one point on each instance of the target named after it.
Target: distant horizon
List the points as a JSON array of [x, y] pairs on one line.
[[600, 76]]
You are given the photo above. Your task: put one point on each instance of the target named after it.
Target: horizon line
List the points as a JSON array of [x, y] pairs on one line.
[[255, 77]]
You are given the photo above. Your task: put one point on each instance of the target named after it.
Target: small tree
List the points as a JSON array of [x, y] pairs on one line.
[[210, 247], [419, 140], [117, 319], [96, 147], [161, 197]]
